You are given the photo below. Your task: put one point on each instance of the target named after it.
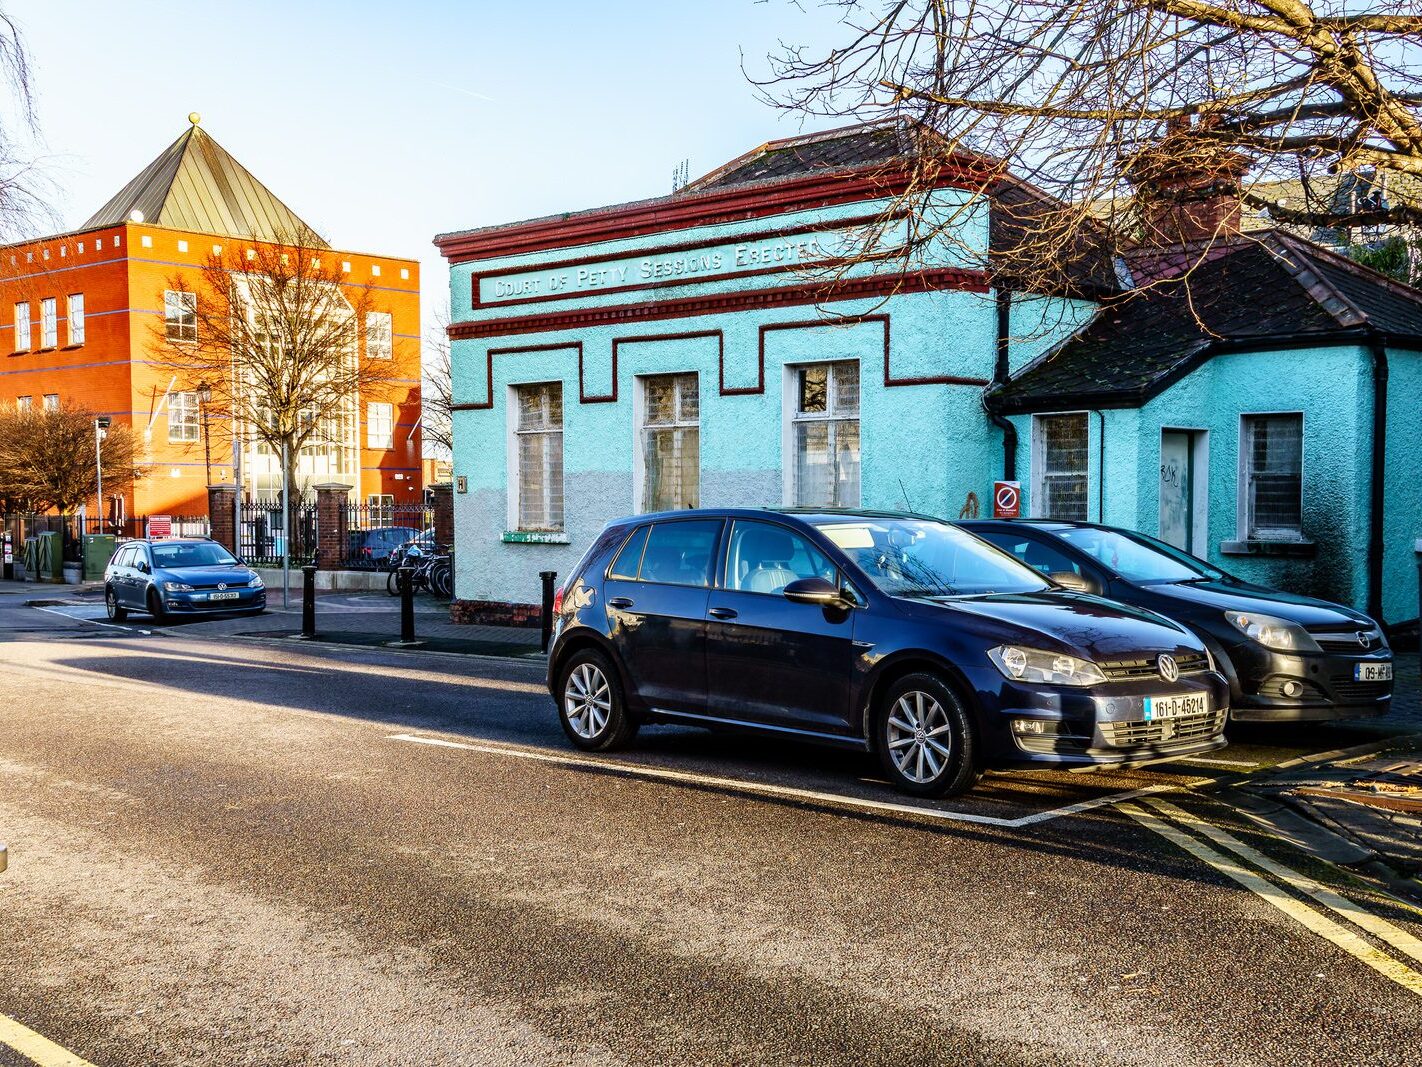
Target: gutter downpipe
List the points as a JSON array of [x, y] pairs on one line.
[[1100, 466], [999, 376], [1377, 496]]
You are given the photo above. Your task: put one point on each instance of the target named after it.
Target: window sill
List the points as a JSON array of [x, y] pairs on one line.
[[1291, 549], [536, 537]]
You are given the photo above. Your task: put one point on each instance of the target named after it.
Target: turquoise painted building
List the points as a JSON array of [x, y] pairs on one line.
[[708, 348]]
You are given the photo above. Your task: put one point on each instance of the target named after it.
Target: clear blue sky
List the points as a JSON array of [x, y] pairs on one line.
[[384, 123]]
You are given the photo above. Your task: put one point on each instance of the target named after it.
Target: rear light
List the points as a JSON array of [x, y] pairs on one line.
[[558, 601]]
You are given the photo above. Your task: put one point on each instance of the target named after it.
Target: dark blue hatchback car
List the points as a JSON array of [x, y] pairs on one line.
[[181, 576], [891, 633]]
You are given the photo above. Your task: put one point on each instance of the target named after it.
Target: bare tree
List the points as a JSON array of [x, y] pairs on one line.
[[47, 459], [1131, 116], [437, 392], [24, 190], [282, 338]]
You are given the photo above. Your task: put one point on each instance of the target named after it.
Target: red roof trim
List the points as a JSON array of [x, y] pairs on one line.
[[717, 206]]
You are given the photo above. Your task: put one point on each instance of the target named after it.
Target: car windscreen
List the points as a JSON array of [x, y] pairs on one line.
[[176, 557], [919, 557], [1138, 559]]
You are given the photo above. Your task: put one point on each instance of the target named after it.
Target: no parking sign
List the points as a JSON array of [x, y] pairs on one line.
[[1006, 500]]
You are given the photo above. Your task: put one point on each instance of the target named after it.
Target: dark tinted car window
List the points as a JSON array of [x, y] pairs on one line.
[[765, 558], [203, 554], [628, 560], [1037, 555], [679, 553]]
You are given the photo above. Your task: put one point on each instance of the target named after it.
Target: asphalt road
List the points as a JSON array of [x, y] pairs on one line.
[[236, 852]]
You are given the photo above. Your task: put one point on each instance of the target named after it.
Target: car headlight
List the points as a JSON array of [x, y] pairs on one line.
[[256, 582], [1046, 668], [177, 587], [1279, 634]]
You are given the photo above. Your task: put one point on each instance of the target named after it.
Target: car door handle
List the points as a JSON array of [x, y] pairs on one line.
[[620, 602], [723, 613]]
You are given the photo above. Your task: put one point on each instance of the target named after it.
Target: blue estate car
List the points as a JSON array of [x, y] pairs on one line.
[[890, 633], [180, 576]]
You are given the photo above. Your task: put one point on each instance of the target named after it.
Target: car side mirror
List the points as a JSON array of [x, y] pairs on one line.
[[143, 568], [1071, 580], [813, 591]]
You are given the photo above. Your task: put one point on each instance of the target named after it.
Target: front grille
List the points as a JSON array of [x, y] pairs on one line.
[[1148, 667], [1345, 642], [1349, 691], [1137, 733]]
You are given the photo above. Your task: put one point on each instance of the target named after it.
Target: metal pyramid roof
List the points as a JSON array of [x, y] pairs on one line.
[[195, 184]]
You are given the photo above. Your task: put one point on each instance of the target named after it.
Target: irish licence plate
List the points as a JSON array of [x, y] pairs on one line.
[[223, 596], [1174, 707], [1372, 672]]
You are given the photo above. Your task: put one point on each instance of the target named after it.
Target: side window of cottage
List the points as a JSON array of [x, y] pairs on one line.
[[1059, 446], [538, 455], [825, 435], [671, 443], [1271, 476]]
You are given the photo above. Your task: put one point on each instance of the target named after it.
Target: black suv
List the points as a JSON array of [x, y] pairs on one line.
[[892, 633], [1287, 657]]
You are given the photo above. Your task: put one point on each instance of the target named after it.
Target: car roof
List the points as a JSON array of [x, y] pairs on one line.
[[802, 514], [169, 541], [1050, 525]]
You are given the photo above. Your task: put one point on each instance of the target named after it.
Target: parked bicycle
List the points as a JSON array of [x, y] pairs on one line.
[[433, 569]]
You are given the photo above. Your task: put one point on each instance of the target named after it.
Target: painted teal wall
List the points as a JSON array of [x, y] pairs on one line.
[[1333, 388], [922, 446]]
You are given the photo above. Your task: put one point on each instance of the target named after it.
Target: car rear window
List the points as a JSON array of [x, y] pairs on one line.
[[630, 558], [680, 553]]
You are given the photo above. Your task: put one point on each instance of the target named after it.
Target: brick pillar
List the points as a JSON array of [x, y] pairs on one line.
[[443, 494], [221, 516], [332, 524]]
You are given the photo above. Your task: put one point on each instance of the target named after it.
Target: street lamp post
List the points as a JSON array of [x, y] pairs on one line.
[[204, 394], [101, 428]]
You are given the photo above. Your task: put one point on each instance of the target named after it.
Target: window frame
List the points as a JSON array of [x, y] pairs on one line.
[[1039, 461], [728, 535], [792, 417], [1244, 512], [24, 327], [25, 404], [74, 320], [641, 431], [175, 326], [387, 330], [50, 402], [515, 464], [184, 415], [714, 563], [49, 323], [388, 410]]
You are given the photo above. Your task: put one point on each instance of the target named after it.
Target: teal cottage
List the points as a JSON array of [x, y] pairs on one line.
[[703, 348]]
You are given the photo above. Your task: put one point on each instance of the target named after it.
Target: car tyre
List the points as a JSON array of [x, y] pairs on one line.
[[925, 738], [116, 611], [591, 705], [155, 606]]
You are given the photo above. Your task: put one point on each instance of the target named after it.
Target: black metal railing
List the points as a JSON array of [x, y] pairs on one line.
[[261, 541], [374, 531]]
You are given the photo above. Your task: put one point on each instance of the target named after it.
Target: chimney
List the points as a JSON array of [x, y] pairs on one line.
[[1186, 188]]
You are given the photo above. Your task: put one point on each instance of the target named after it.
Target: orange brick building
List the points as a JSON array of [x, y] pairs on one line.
[[79, 313]]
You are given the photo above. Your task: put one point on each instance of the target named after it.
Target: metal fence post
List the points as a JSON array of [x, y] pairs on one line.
[[548, 578], [308, 600], [407, 604]]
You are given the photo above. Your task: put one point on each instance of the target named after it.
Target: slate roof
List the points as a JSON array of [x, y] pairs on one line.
[[196, 184], [842, 149], [1261, 291]]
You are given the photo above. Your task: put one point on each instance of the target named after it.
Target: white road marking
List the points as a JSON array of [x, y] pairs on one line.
[[742, 785], [1356, 913], [36, 1046], [1221, 762], [91, 622], [1307, 917]]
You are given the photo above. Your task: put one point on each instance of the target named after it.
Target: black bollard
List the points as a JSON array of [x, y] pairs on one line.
[[407, 604], [547, 577], [308, 600]]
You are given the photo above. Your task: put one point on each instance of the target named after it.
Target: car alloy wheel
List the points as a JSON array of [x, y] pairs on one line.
[[591, 707], [111, 605], [926, 738], [919, 736]]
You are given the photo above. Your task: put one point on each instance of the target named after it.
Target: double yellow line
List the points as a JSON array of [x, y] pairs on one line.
[[1167, 820]]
